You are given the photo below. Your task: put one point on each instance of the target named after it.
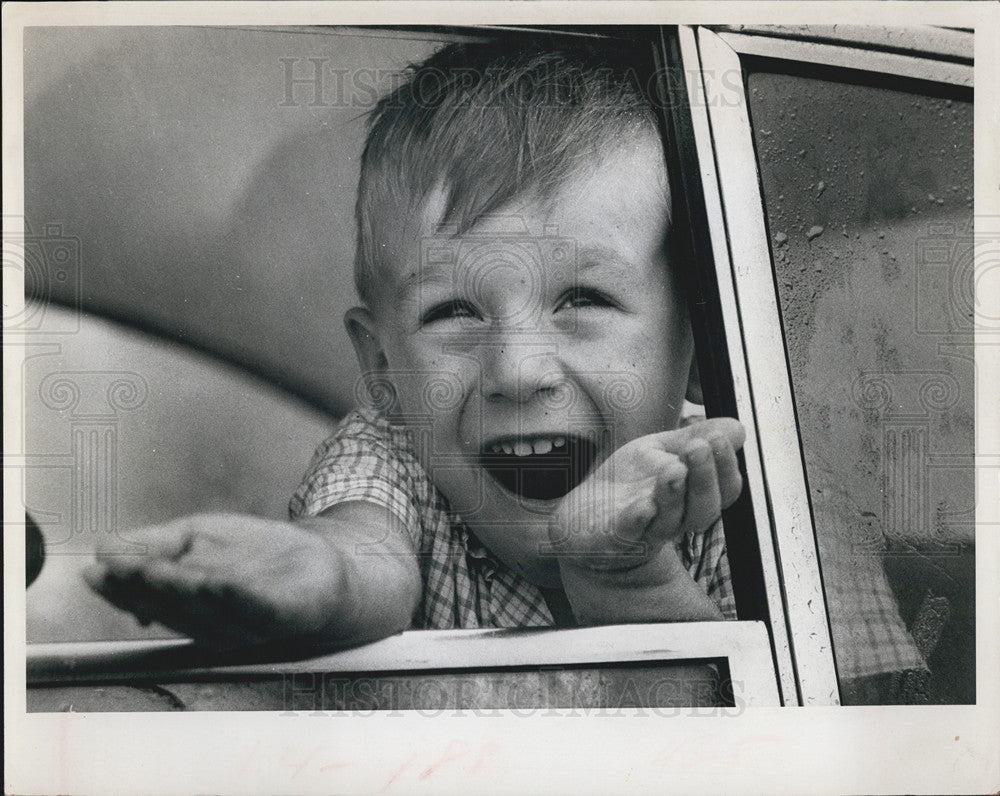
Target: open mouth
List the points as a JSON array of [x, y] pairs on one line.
[[539, 467]]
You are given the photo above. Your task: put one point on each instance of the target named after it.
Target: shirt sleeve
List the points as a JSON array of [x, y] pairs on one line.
[[705, 554], [707, 562], [358, 462]]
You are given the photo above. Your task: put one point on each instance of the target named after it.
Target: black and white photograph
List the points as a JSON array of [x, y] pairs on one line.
[[416, 397]]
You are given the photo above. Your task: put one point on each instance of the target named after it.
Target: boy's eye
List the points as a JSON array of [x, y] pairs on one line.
[[447, 310], [583, 297]]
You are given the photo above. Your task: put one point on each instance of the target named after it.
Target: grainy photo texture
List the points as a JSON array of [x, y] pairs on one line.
[[459, 370]]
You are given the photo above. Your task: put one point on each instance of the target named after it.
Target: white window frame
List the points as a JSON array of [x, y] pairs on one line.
[[738, 229], [745, 646]]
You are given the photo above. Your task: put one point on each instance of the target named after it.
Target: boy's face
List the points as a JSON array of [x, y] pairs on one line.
[[528, 349]]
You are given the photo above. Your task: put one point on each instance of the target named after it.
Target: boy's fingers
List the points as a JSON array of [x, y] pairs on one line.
[[183, 600], [172, 577], [670, 501], [200, 587], [228, 597], [133, 582], [727, 470], [95, 575], [628, 514], [161, 541], [174, 550], [129, 594], [676, 441], [703, 502]]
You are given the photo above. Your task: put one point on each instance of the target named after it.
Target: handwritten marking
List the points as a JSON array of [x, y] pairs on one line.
[[396, 774], [299, 768], [447, 757]]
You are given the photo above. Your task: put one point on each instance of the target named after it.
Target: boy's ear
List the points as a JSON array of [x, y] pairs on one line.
[[694, 393], [379, 391], [364, 336]]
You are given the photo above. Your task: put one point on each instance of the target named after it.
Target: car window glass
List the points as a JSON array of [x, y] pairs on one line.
[[868, 194]]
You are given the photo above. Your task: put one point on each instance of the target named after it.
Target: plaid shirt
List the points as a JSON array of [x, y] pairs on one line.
[[869, 636], [368, 458]]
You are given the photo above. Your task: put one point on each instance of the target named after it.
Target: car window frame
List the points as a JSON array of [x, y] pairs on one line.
[[740, 650], [748, 291]]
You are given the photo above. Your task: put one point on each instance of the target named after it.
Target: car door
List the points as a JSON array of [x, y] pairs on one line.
[[837, 170]]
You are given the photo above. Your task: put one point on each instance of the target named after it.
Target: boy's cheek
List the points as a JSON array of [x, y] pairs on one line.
[[461, 485], [433, 384]]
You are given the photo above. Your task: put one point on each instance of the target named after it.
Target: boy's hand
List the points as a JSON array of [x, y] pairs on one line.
[[619, 527], [226, 580], [650, 491]]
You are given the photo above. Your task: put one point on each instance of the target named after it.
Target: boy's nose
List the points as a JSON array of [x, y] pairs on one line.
[[517, 370]]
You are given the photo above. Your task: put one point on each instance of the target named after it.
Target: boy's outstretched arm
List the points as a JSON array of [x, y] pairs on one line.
[[616, 534], [342, 578]]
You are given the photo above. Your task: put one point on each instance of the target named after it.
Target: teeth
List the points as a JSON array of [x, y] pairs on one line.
[[542, 446], [525, 447]]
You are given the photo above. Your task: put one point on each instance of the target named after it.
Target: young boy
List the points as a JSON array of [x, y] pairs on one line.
[[525, 352]]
